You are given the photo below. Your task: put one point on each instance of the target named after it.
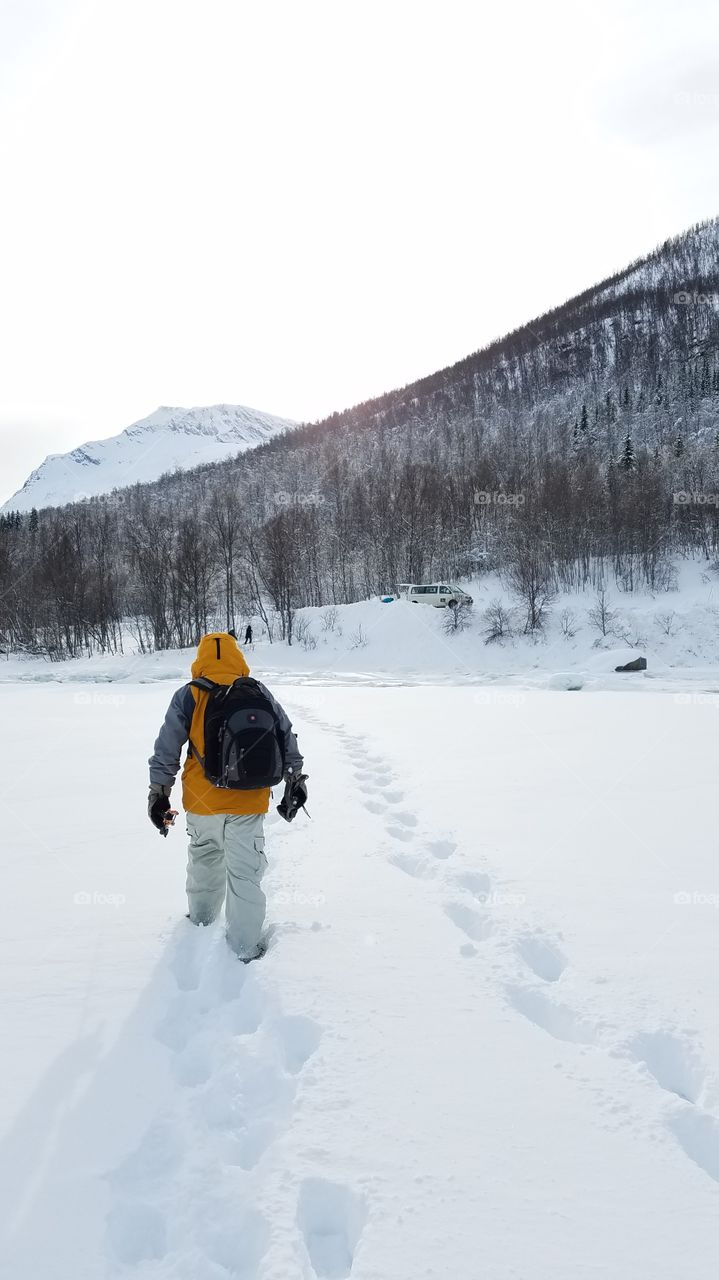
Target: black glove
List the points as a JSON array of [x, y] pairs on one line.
[[295, 796], [158, 807]]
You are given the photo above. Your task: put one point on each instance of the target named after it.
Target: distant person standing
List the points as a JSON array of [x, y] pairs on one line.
[[248, 633]]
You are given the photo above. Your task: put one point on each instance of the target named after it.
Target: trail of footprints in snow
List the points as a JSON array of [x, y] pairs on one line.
[[383, 798], [669, 1058], [186, 1190]]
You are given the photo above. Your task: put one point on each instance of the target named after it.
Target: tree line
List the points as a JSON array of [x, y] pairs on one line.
[[581, 449]]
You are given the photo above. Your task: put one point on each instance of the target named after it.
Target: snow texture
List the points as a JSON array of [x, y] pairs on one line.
[[482, 1042]]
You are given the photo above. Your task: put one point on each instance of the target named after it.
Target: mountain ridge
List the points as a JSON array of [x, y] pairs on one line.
[[177, 438]]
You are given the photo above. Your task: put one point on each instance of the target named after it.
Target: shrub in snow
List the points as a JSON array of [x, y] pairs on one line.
[[568, 623], [665, 576], [635, 639], [498, 622], [667, 622], [329, 618], [602, 616], [457, 618], [530, 574], [358, 639], [304, 634]]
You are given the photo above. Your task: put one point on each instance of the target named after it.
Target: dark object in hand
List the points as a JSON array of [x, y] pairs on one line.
[[161, 815], [295, 796]]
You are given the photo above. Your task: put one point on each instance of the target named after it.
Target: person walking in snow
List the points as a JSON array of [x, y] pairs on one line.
[[241, 743], [248, 633]]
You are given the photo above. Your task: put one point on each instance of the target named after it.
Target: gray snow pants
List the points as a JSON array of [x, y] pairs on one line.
[[226, 861]]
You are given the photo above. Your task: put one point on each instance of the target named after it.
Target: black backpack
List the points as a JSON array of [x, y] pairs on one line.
[[244, 745]]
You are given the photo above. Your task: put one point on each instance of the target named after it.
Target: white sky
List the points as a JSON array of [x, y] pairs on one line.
[[298, 205]]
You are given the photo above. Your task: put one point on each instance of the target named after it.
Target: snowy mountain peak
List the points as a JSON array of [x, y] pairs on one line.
[[171, 438]]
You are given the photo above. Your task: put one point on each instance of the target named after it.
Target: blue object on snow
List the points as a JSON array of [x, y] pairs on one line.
[[387, 599]]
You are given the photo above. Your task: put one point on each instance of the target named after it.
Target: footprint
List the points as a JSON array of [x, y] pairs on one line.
[[236, 1242], [556, 1019], [136, 1233], [218, 1107], [186, 965], [410, 862], [672, 1061], [375, 806], [193, 1066], [477, 883], [152, 1163], [245, 1090], [476, 927], [331, 1218], [697, 1132], [247, 1147], [245, 1013], [298, 1037], [399, 833], [392, 797], [406, 819], [543, 957], [179, 1024], [442, 849]]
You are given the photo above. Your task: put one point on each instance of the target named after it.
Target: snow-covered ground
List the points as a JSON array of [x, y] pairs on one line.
[[483, 1041]]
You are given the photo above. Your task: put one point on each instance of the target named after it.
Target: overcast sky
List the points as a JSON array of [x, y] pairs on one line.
[[299, 205]]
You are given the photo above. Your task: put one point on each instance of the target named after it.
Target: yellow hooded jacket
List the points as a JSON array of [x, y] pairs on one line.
[[220, 659]]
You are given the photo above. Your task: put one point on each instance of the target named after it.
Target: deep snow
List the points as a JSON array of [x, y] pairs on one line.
[[483, 1041]]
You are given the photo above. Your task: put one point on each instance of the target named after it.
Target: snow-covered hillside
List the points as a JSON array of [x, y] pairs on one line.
[[483, 1041], [370, 642], [167, 440]]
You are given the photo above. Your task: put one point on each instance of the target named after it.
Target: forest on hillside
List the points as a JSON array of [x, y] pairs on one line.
[[580, 450]]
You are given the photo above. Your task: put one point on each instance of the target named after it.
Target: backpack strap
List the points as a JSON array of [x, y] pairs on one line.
[[207, 685]]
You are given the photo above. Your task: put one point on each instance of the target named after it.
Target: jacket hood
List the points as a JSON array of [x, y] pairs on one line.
[[220, 658]]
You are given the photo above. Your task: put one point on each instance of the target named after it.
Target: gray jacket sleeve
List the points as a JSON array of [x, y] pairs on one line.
[[293, 759], [165, 759]]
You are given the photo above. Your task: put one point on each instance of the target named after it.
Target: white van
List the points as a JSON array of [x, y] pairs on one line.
[[442, 595]]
